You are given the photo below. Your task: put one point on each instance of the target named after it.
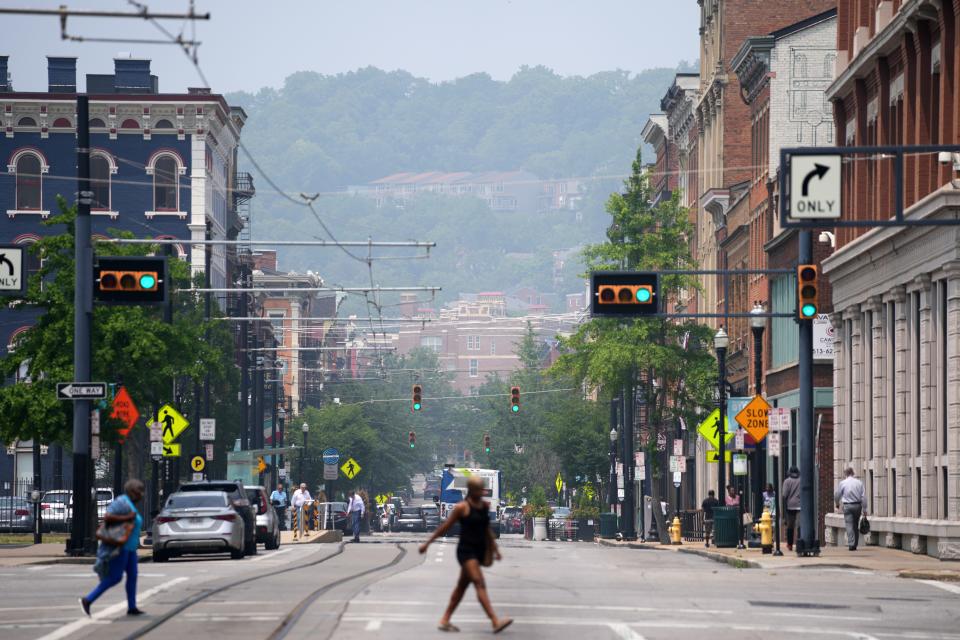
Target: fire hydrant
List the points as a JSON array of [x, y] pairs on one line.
[[765, 529], [674, 529]]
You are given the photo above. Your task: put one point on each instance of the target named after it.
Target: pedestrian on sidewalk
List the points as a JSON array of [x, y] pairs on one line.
[[300, 498], [770, 500], [280, 497], [476, 546], [732, 499], [849, 496], [113, 562], [355, 508], [790, 492], [707, 507]]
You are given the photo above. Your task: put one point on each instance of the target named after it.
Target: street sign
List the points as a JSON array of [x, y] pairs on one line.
[[678, 447], [682, 464], [773, 444], [677, 478], [714, 456], [156, 448], [261, 465], [172, 422], [156, 432], [208, 429], [171, 450], [78, 390], [350, 468], [44, 449], [640, 472], [740, 464], [674, 465], [198, 477], [282, 473], [815, 187], [779, 418], [197, 463], [619, 468], [12, 280], [381, 499], [95, 422], [710, 429], [754, 418], [124, 410], [639, 458], [208, 452], [559, 482], [331, 456], [739, 439], [330, 472]]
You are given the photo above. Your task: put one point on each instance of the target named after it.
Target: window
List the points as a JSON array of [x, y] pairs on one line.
[[26, 122], [473, 343], [165, 191], [785, 334], [163, 124], [434, 343], [474, 368], [493, 347], [100, 182], [61, 123], [276, 320], [29, 182], [130, 123], [97, 123]]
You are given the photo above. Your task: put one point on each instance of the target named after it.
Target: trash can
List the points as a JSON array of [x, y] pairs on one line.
[[725, 523], [608, 526]]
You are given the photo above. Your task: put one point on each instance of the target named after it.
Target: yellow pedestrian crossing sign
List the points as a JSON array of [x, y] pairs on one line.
[[350, 468], [559, 482], [714, 456], [710, 429], [171, 450], [381, 499], [172, 422]]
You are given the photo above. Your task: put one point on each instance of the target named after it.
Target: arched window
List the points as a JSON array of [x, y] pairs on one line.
[[130, 123], [61, 123], [26, 121], [97, 123], [165, 192], [100, 182], [32, 260], [29, 182], [163, 124]]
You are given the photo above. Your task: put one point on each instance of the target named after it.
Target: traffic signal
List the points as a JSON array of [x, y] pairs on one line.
[[624, 293], [486, 442], [130, 280], [808, 291], [412, 437], [515, 399], [417, 397]]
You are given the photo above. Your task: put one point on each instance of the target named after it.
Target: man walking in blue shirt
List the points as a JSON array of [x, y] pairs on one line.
[[280, 496]]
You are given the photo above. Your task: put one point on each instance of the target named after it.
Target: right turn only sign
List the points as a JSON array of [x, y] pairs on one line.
[[815, 187]]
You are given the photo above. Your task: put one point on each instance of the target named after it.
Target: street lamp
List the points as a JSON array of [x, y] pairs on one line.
[[306, 430], [613, 467], [278, 442], [720, 342], [758, 322]]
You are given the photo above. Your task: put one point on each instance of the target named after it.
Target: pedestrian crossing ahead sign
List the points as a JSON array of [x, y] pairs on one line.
[[350, 468]]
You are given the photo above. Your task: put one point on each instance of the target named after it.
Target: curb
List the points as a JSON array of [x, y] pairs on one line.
[[633, 545], [940, 576], [735, 562]]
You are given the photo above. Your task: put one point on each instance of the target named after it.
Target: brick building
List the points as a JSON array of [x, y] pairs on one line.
[[896, 291]]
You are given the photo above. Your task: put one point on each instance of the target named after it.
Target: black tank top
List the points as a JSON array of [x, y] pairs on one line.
[[473, 529]]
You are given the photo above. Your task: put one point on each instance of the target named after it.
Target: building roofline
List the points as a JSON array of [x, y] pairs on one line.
[[804, 24]]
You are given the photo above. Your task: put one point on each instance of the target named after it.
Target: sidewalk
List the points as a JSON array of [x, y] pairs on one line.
[[48, 553], [880, 559], [311, 537]]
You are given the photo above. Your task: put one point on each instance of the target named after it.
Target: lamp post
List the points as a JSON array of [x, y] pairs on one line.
[[613, 468], [278, 442], [720, 342], [757, 324], [306, 430]]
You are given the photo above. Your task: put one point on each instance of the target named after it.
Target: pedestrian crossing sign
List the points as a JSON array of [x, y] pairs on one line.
[[350, 468], [710, 429], [382, 499], [173, 423]]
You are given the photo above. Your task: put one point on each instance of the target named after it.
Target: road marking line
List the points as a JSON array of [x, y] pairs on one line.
[[272, 555], [624, 632], [820, 615], [373, 625], [63, 606], [946, 586], [40, 568], [101, 616], [529, 605]]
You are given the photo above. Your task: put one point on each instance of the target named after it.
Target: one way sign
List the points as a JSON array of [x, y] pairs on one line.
[[81, 390]]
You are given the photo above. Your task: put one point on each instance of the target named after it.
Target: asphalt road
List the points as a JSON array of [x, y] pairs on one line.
[[552, 590]]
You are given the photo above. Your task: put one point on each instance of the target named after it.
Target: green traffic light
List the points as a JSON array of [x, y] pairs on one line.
[[515, 408], [808, 311], [416, 407], [643, 295], [487, 449], [412, 445], [147, 281]]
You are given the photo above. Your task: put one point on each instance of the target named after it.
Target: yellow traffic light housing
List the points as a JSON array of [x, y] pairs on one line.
[[130, 280], [808, 291], [624, 293], [417, 399], [515, 399], [412, 438]]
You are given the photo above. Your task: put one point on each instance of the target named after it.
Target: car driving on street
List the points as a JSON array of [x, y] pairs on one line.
[[240, 503], [198, 522], [268, 522], [409, 519]]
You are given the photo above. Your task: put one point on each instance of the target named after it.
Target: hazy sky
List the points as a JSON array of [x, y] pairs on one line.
[[249, 44]]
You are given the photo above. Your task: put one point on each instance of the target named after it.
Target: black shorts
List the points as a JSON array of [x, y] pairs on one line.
[[465, 553]]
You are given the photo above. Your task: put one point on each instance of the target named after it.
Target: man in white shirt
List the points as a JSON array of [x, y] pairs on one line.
[[300, 498], [849, 496], [355, 510]]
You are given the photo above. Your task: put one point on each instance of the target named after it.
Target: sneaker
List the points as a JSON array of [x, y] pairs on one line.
[[85, 605], [135, 612]]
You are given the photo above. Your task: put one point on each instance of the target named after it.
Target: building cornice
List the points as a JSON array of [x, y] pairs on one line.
[[752, 66]]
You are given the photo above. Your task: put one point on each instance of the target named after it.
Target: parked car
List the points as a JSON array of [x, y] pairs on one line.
[[240, 503], [511, 520], [104, 498], [409, 519], [333, 515], [559, 518], [55, 508], [16, 515], [268, 521], [199, 522], [431, 516]]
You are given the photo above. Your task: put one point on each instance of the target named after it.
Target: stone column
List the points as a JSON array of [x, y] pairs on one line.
[[928, 433], [840, 425], [953, 389], [857, 448], [902, 425], [877, 426]]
